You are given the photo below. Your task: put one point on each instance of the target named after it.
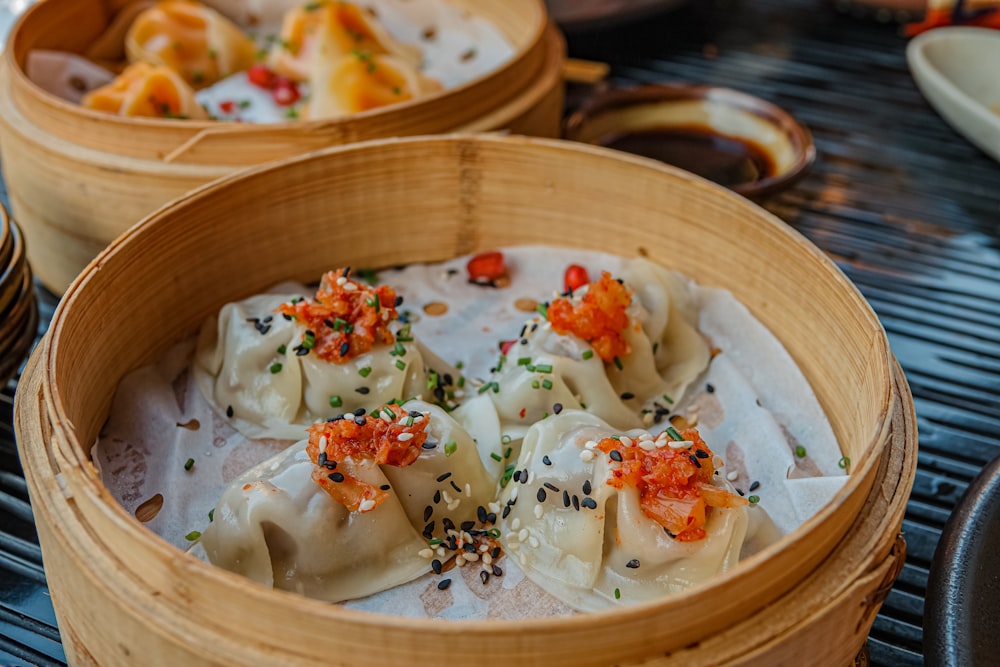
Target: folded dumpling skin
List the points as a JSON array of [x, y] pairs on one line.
[[145, 90]]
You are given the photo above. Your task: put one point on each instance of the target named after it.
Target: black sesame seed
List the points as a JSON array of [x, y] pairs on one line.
[[710, 388], [540, 495], [443, 476], [437, 496], [701, 453], [669, 533], [484, 576], [557, 408], [330, 465], [229, 412], [448, 524], [546, 460], [300, 351], [436, 566], [384, 487], [576, 502], [345, 347], [468, 525], [444, 584], [754, 486], [321, 459], [694, 460], [481, 514], [633, 564], [329, 323], [524, 341], [491, 517], [336, 477], [439, 393], [615, 455], [429, 530], [586, 487], [360, 412], [627, 396], [428, 512], [589, 503], [506, 511], [469, 548], [362, 390], [360, 421], [429, 444], [524, 328], [497, 572], [517, 475], [457, 488], [551, 487], [398, 302], [739, 491], [448, 379], [495, 553], [566, 499]]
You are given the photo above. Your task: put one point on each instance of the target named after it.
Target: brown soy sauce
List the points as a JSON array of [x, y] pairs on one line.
[[726, 160]]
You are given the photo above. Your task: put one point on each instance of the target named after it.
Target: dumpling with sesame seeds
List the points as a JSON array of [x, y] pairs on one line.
[[275, 363], [600, 517], [365, 504]]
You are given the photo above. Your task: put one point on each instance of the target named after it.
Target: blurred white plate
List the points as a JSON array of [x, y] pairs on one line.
[[958, 70]]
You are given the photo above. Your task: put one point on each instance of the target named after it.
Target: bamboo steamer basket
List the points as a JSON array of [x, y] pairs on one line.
[[120, 591], [124, 168], [18, 307]]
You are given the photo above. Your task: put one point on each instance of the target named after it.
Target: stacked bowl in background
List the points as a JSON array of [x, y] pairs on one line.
[[18, 308]]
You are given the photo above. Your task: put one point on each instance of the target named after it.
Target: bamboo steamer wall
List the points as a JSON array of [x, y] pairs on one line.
[[120, 591], [78, 178]]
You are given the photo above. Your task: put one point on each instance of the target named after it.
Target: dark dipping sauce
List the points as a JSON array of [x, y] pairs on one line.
[[726, 160]]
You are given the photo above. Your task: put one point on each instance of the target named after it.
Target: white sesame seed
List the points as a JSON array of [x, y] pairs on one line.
[[349, 287], [591, 444], [468, 490], [539, 511], [732, 475], [513, 494], [403, 437], [533, 542], [717, 461], [416, 420], [460, 560], [646, 436], [322, 443], [682, 444], [487, 559], [471, 557], [522, 535], [426, 553], [516, 523], [626, 441], [647, 419], [494, 507], [466, 537], [452, 506], [459, 393], [522, 559], [484, 548], [439, 551], [447, 497], [586, 455], [510, 537], [386, 417], [647, 445], [341, 280], [367, 505], [402, 420], [513, 546]]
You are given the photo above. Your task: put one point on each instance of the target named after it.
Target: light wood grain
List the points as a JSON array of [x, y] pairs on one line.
[[125, 592]]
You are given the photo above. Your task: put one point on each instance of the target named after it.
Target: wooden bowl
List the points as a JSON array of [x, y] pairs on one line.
[[18, 306], [121, 592], [124, 168]]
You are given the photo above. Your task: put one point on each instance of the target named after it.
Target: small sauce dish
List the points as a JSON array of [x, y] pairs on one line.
[[737, 140]]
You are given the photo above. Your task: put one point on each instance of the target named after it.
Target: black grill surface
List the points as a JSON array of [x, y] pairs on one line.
[[905, 206]]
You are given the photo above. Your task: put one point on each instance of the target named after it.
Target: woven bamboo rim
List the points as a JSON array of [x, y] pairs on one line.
[[74, 24], [6, 238], [467, 193], [11, 271]]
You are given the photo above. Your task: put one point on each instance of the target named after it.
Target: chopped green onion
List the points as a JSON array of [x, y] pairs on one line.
[[543, 310], [800, 451], [275, 368], [436, 541], [459, 365], [461, 381], [672, 432], [668, 399], [282, 349], [493, 532], [588, 354], [450, 447], [844, 462], [336, 401], [508, 473], [505, 439], [543, 368], [339, 324], [309, 340], [534, 384], [432, 379], [365, 372], [618, 594], [754, 500], [189, 464], [211, 515], [495, 456], [523, 361], [547, 383], [192, 536], [400, 364], [507, 452], [618, 364]]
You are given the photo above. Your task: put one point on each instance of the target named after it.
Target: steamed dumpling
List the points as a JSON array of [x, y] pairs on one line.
[[598, 517], [352, 511], [146, 90], [624, 350], [196, 42], [275, 363], [328, 31], [361, 82]]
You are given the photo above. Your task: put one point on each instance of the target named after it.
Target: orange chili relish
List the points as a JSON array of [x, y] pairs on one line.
[[382, 440], [347, 317], [675, 485], [598, 318]]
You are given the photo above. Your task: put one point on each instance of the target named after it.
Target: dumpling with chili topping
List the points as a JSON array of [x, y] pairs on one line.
[[144, 90], [598, 517], [354, 509], [622, 349], [276, 363]]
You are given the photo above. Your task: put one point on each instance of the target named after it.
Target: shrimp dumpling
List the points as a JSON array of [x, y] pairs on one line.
[[193, 40], [146, 90]]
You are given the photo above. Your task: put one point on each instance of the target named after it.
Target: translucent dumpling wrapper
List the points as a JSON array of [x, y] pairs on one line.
[[593, 545], [328, 31], [362, 82], [193, 40], [661, 352], [146, 90], [337, 527], [266, 370]]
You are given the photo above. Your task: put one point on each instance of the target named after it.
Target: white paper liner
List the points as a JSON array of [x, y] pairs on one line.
[[759, 409]]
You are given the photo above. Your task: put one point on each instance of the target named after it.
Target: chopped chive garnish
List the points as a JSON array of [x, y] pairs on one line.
[[507, 452], [587, 354], [282, 349], [459, 365], [543, 310], [493, 532], [336, 401], [508, 472], [450, 447], [189, 464], [618, 363], [365, 372], [505, 439], [192, 536], [409, 421], [754, 500], [523, 361], [844, 462], [400, 364], [543, 368], [534, 384], [668, 399], [495, 456], [800, 451], [432, 380], [618, 594], [672, 432], [211, 515], [309, 340], [547, 384], [275, 368], [398, 350], [339, 324], [436, 541]]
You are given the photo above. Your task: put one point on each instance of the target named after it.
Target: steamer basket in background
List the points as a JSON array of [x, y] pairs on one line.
[[18, 305], [121, 591], [79, 178]]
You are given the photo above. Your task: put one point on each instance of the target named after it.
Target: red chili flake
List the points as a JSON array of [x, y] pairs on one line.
[[285, 92], [576, 277], [261, 75], [506, 345], [227, 106], [487, 266], [523, 412]]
